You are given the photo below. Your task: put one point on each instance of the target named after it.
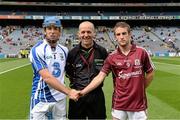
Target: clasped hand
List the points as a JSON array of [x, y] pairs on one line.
[[75, 94]]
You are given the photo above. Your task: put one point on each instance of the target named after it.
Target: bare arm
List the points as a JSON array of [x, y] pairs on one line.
[[53, 82], [94, 83], [148, 78]]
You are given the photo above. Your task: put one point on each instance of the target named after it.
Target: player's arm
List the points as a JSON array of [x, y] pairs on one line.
[[53, 82], [148, 78], [94, 83]]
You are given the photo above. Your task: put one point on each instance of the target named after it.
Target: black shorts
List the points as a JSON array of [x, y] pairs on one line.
[[91, 106]]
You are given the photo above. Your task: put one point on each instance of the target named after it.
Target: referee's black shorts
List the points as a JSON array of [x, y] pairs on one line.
[[91, 106]]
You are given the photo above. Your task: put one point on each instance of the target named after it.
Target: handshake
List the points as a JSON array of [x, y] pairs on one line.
[[75, 94]]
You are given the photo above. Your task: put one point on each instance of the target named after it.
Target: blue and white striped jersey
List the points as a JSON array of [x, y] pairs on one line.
[[54, 59]]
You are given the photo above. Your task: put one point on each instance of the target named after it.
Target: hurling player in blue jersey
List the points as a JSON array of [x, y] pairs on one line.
[[48, 60]]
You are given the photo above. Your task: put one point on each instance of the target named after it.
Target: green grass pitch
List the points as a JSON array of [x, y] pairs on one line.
[[163, 94]]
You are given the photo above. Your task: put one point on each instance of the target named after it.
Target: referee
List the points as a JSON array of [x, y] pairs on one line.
[[83, 64]]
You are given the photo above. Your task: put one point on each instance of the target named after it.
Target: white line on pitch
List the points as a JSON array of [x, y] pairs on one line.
[[14, 68]]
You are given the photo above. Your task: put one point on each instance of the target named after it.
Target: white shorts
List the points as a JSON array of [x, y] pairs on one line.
[[124, 115], [57, 109]]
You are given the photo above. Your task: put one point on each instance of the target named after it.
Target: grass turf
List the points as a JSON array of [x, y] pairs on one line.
[[163, 94]]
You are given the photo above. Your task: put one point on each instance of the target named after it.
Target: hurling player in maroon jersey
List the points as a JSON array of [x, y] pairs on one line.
[[132, 71]]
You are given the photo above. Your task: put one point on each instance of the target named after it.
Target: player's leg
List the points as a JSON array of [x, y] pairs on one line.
[[119, 114], [59, 110], [38, 112], [113, 118], [140, 115]]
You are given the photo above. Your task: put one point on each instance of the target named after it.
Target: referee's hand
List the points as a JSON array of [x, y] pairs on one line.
[[81, 93], [74, 94]]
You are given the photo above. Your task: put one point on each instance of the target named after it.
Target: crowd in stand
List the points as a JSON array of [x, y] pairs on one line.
[[16, 38]]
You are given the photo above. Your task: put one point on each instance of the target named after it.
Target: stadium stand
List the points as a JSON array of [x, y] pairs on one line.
[[21, 23]]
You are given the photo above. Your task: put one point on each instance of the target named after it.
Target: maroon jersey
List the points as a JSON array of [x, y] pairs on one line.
[[129, 78]]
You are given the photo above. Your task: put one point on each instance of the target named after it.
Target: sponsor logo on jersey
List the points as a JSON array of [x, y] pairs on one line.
[[49, 57], [128, 64], [118, 63], [78, 65], [124, 76], [99, 62]]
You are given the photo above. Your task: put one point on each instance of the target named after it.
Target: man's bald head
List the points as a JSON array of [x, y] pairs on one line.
[[86, 24], [86, 34]]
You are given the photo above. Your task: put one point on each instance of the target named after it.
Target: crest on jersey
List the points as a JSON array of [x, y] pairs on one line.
[[61, 56], [137, 62]]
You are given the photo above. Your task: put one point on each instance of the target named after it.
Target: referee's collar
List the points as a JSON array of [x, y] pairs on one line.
[[94, 45]]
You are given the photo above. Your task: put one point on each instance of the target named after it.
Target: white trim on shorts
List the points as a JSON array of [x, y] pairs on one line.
[[124, 115]]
